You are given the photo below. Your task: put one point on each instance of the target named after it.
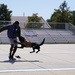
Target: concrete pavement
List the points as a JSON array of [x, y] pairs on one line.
[[53, 59]]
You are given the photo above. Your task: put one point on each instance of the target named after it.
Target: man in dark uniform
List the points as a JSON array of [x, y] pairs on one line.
[[13, 32]]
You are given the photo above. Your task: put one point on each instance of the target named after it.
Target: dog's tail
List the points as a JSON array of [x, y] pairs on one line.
[[42, 42]]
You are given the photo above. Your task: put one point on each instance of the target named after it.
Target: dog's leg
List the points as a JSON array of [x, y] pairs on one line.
[[33, 50], [38, 50]]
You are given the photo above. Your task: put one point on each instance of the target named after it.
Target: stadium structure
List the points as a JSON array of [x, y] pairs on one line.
[[57, 34]]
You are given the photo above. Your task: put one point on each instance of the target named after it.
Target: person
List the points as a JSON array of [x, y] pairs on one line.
[[12, 33]]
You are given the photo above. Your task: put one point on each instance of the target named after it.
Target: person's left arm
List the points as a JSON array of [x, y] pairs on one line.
[[19, 32]]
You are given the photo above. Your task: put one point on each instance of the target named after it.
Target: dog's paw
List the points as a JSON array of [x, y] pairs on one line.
[[37, 51], [32, 52]]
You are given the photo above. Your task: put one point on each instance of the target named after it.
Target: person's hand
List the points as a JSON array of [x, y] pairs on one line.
[[15, 41]]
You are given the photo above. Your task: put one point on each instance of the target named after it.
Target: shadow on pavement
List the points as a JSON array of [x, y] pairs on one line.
[[13, 61]]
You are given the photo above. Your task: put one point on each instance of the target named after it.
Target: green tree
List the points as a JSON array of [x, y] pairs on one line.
[[34, 21], [5, 14], [62, 14], [72, 17], [65, 13], [34, 18]]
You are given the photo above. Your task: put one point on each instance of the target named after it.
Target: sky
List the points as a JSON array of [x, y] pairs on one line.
[[44, 8]]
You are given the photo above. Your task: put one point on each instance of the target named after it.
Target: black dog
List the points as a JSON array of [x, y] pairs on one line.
[[25, 43]]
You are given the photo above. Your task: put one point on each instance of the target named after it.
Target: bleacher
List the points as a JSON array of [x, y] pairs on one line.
[[3, 37], [51, 36]]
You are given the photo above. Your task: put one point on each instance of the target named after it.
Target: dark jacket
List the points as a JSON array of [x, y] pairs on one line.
[[13, 32]]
